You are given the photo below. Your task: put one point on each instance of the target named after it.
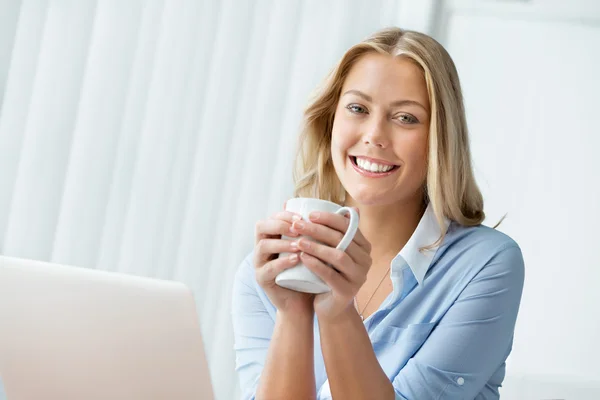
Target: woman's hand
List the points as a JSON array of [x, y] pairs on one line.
[[350, 267], [268, 245]]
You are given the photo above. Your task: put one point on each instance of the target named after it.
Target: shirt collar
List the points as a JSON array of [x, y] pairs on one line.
[[428, 232]]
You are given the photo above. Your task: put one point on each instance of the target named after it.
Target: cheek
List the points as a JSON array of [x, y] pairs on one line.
[[342, 135], [413, 151]]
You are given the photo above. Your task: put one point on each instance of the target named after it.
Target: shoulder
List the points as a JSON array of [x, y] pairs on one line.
[[483, 248], [479, 238]]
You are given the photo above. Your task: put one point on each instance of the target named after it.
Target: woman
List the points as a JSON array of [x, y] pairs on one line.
[[424, 301]]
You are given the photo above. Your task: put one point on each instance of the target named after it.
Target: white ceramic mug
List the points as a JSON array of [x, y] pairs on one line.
[[300, 278]]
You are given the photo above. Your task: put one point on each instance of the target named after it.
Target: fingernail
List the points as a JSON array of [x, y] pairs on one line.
[[298, 224], [293, 257], [296, 218], [294, 245], [314, 216], [305, 244]]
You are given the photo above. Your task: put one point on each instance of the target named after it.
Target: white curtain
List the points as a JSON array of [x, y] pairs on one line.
[[148, 136]]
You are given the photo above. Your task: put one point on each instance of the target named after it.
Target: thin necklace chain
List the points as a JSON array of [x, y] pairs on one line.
[[372, 294]]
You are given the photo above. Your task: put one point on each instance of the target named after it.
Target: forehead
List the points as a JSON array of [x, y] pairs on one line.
[[386, 78]]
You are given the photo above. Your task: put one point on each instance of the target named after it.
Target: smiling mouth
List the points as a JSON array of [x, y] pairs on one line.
[[355, 164]]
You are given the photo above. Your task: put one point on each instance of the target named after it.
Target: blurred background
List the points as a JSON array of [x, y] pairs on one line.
[[148, 136]]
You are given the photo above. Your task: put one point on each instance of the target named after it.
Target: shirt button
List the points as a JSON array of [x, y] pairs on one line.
[[460, 381]]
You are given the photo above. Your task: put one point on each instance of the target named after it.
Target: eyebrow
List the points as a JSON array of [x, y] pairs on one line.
[[393, 104]]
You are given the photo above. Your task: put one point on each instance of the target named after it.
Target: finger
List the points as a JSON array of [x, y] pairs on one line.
[[332, 238], [270, 270], [339, 223], [267, 248], [272, 227], [336, 258], [330, 276], [285, 215]]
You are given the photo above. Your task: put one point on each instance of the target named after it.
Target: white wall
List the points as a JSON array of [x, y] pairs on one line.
[[530, 74]]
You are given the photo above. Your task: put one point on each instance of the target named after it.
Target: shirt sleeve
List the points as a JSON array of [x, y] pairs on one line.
[[252, 327], [474, 337]]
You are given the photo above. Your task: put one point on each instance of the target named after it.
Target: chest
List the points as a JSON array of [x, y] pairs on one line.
[[374, 291]]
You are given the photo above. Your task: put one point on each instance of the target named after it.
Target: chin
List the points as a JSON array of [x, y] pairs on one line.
[[367, 197]]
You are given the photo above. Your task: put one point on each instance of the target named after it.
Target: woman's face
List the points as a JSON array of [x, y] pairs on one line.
[[382, 122]]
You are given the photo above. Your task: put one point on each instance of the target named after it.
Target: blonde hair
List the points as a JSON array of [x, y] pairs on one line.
[[451, 186]]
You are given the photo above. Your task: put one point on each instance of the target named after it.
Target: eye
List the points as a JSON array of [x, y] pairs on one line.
[[407, 119], [356, 109]]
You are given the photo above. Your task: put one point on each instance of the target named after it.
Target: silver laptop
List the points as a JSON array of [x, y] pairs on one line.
[[75, 333]]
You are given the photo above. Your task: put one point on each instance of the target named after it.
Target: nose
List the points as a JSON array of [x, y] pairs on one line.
[[375, 134]]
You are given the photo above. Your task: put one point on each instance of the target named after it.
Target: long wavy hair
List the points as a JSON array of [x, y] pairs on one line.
[[450, 183]]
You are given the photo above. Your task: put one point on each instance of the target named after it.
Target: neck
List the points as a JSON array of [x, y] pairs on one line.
[[388, 227]]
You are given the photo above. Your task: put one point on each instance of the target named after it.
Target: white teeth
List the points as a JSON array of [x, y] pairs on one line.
[[372, 167]]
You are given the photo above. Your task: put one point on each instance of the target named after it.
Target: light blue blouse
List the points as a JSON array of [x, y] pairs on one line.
[[444, 332]]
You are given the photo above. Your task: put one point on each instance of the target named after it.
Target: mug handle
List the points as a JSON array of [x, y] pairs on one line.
[[352, 227]]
